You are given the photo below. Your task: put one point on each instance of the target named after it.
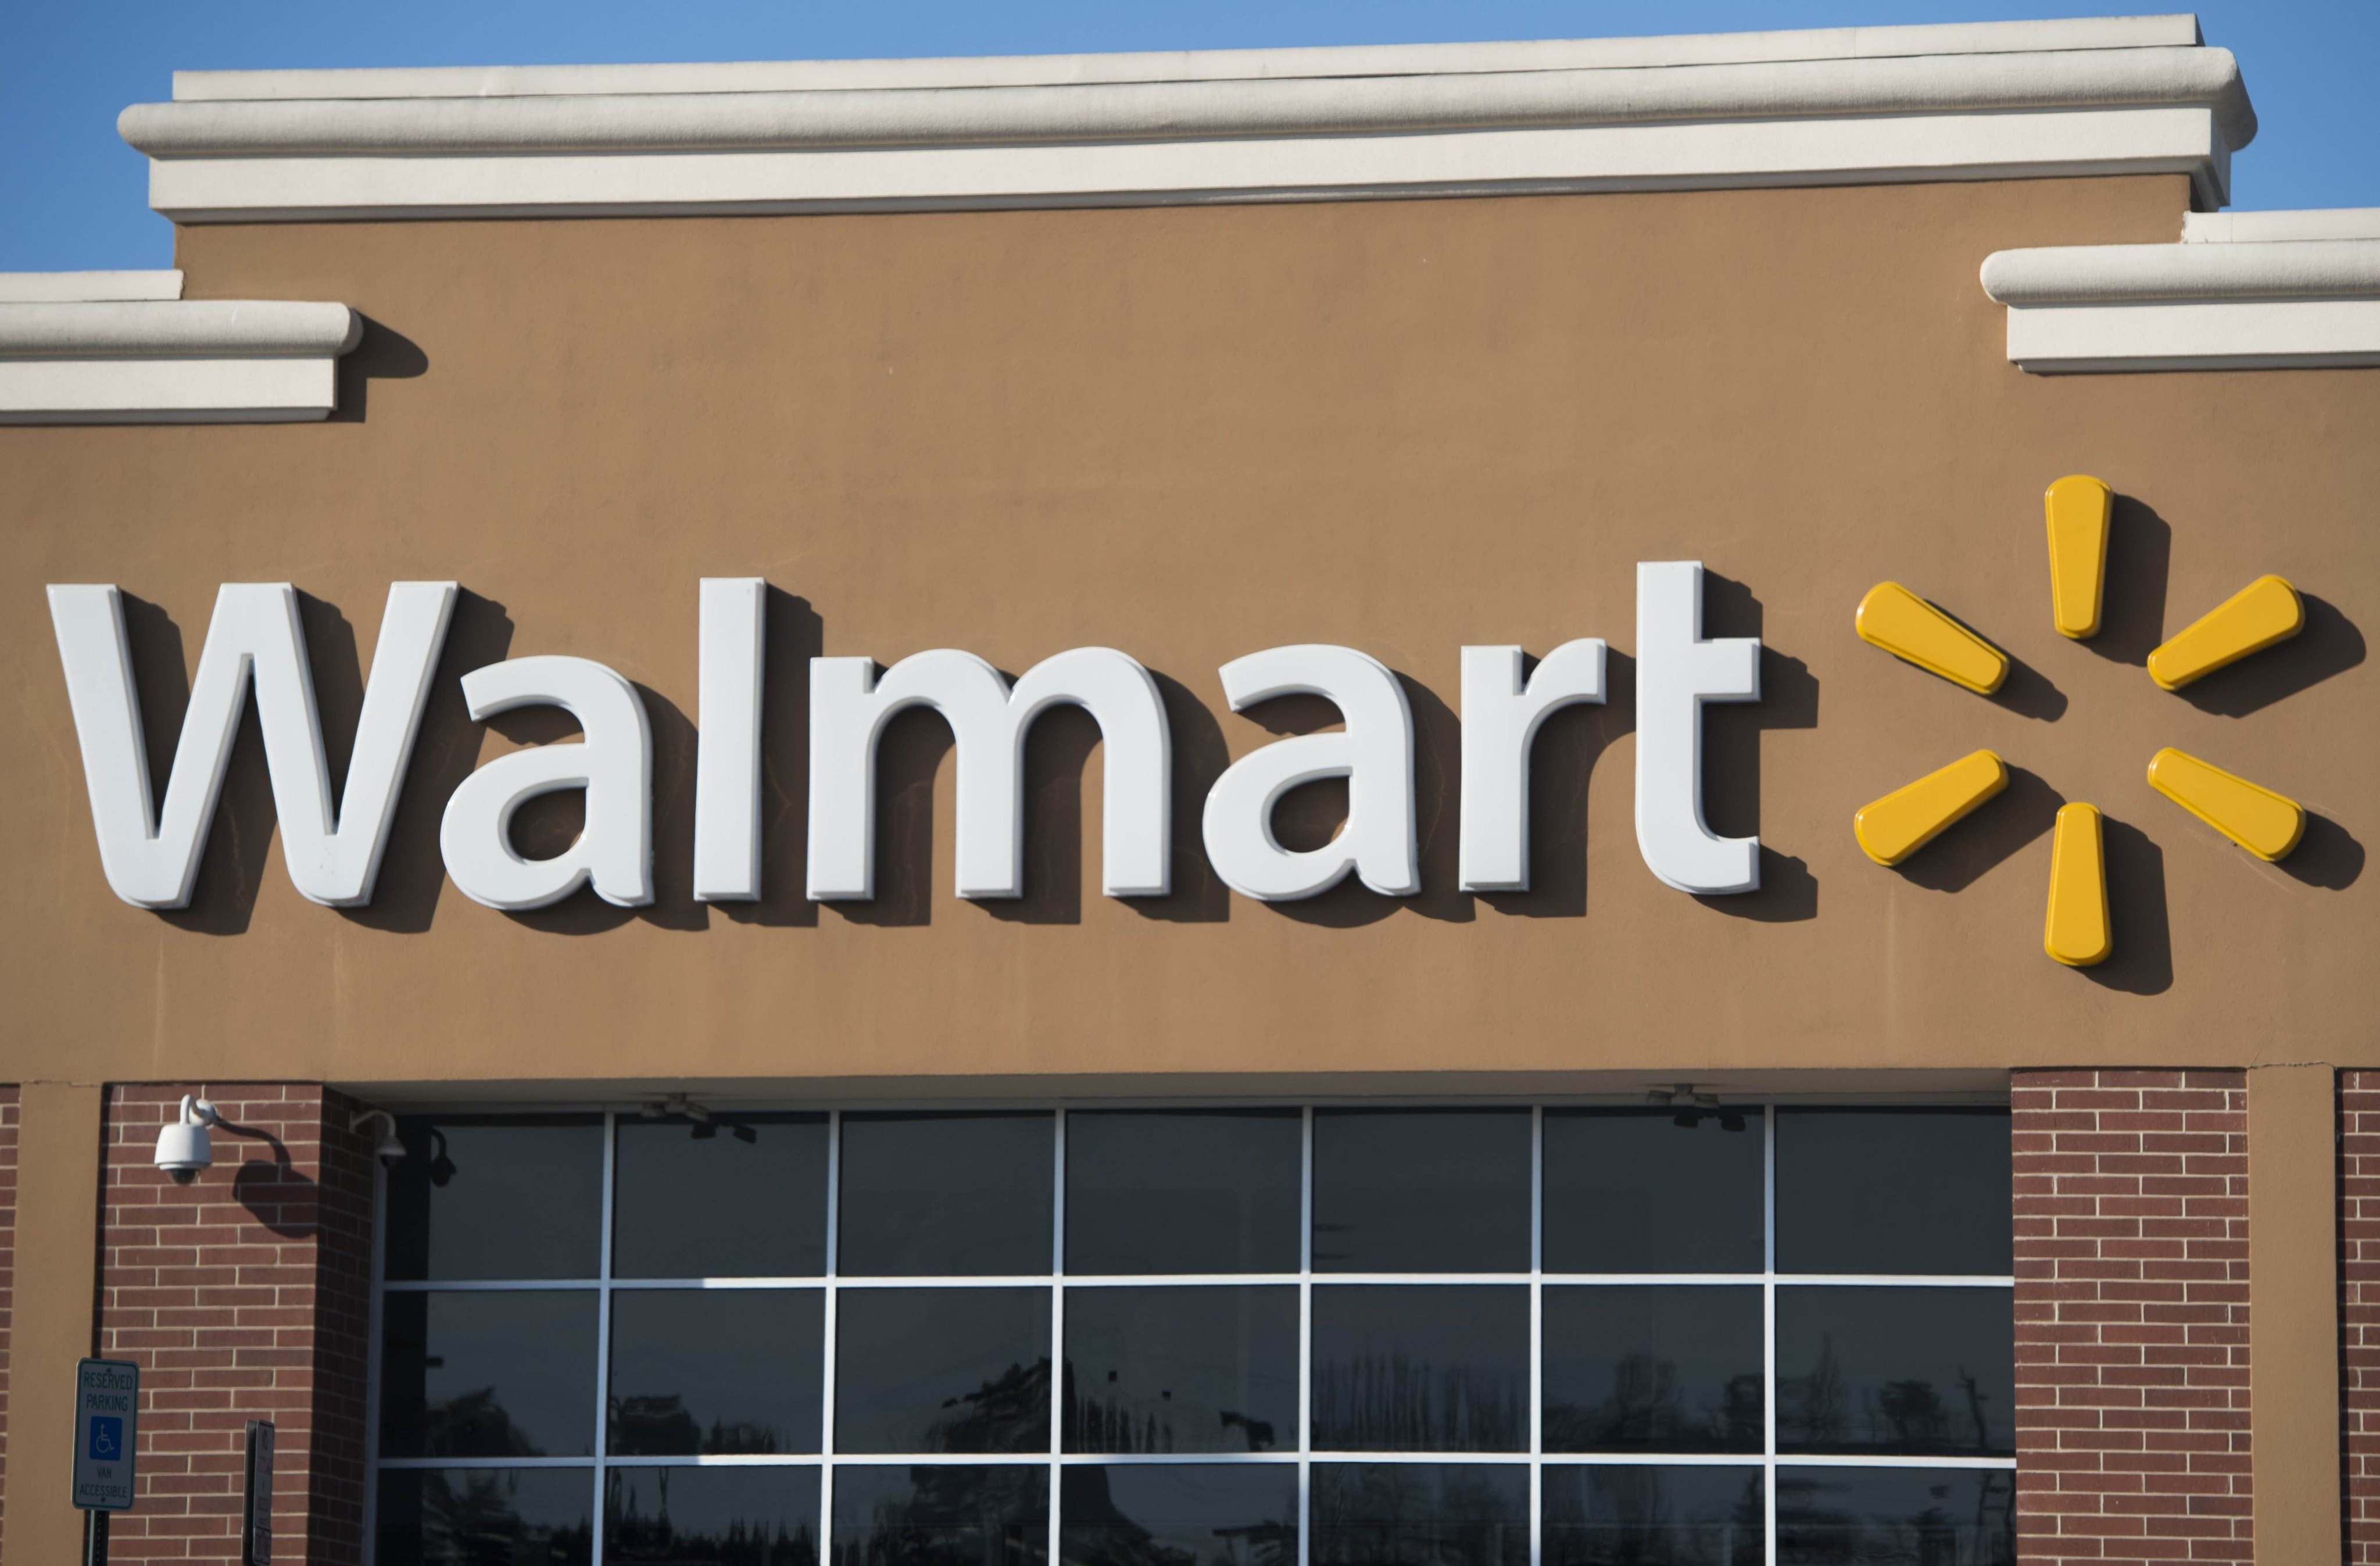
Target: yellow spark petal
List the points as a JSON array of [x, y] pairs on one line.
[[1897, 620], [2266, 824], [1908, 818], [2264, 612], [2078, 508], [2076, 932]]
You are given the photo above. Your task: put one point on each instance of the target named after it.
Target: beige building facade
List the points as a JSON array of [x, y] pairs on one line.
[[1190, 357]]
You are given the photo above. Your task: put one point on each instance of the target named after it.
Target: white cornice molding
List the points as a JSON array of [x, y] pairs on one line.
[[1840, 107], [203, 361], [2210, 303], [58, 287]]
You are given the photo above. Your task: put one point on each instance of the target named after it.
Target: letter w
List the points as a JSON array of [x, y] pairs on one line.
[[333, 858]]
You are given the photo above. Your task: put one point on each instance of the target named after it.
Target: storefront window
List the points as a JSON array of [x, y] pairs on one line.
[[1331, 1337]]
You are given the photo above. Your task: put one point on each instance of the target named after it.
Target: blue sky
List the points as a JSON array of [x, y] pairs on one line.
[[74, 196]]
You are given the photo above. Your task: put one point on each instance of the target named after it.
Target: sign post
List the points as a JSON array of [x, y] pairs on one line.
[[256, 1520], [106, 1434]]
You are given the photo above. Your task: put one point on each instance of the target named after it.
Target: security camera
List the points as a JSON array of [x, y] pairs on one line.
[[184, 1146], [390, 1149]]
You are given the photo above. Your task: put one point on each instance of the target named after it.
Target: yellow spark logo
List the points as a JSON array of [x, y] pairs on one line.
[[2077, 931]]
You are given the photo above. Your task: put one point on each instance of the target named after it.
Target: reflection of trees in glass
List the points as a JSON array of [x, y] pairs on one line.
[[1099, 1533], [1634, 1519], [473, 1425], [1010, 1413], [1647, 1409], [1906, 1415], [468, 1519], [956, 1516], [1394, 1402], [1107, 1424], [635, 1539], [1414, 1514], [660, 1426], [1824, 1520]]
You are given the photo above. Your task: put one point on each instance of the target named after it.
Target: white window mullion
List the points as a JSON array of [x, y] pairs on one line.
[[1768, 1323], [603, 1328], [826, 1379], [1536, 1335], [1057, 1319], [1305, 1338]]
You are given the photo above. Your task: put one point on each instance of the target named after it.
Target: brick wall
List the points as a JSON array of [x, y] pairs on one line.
[[2359, 1307], [243, 1294], [8, 1267], [2131, 1315]]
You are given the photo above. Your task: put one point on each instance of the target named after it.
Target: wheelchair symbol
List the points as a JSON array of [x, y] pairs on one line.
[[106, 1439]]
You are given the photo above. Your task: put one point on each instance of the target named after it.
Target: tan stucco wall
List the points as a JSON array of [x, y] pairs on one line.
[[1191, 435]]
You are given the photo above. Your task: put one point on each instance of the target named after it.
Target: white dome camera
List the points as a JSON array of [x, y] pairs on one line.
[[184, 1148]]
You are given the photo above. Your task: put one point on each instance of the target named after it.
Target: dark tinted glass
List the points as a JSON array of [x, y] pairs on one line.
[[1200, 1191], [474, 1516], [1632, 1191], [1420, 1367], [1420, 1514], [494, 1375], [716, 1371], [1181, 1369], [1653, 1369], [1421, 1191], [1650, 1516], [1179, 1515], [1894, 1191], [929, 1370], [742, 1195], [727, 1517], [1896, 1370], [942, 1514], [497, 1197], [1893, 1516], [945, 1194]]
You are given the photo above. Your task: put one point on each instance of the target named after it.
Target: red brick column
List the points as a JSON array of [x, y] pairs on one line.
[[2131, 1315], [2359, 1307], [8, 1267], [241, 1296]]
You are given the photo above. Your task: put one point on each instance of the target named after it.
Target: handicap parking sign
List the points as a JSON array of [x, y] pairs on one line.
[[107, 1415]]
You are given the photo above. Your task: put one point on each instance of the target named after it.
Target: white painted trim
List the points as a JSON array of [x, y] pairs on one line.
[[178, 361], [1212, 65], [2219, 301], [2304, 268], [62, 287], [2256, 228], [1251, 126]]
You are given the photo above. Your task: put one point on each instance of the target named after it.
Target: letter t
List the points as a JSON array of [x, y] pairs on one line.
[[1677, 671]]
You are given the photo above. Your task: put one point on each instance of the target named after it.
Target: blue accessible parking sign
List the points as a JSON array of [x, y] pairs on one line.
[[107, 1413]]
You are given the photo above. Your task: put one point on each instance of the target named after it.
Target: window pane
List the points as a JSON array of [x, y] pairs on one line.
[[716, 1371], [1421, 1191], [1652, 1516], [1891, 1516], [1199, 1191], [1632, 1191], [929, 1195], [929, 1370], [1421, 1367], [942, 1514], [493, 1375], [1894, 1191], [1181, 1369], [1179, 1515], [1896, 1370], [474, 1516], [730, 1516], [741, 1196], [1420, 1514], [497, 1197], [1653, 1369]]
